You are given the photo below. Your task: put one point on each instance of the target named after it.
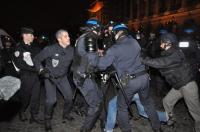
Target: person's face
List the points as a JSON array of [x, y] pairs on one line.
[[64, 39], [110, 29], [163, 45], [28, 38], [99, 33]]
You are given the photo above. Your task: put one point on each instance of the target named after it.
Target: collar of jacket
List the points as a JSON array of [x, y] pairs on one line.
[[25, 46], [170, 51], [121, 39], [61, 48]]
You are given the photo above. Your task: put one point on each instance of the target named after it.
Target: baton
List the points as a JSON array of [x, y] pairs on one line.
[[74, 94], [125, 96]]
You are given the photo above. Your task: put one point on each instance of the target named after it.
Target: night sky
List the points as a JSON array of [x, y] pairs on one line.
[[44, 16]]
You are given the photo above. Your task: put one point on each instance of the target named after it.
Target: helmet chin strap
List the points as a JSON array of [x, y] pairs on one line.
[[94, 31], [120, 34]]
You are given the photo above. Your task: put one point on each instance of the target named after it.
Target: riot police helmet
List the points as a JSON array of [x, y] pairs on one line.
[[93, 25], [119, 27]]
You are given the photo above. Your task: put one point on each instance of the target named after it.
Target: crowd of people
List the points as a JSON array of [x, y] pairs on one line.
[[106, 69]]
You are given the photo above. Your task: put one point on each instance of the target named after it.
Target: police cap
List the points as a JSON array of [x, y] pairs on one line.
[[27, 30]]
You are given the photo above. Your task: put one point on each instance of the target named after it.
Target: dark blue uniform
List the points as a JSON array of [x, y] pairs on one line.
[[87, 86], [30, 84], [125, 57], [57, 61]]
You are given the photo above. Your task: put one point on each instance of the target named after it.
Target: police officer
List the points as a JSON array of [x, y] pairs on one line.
[[83, 72], [7, 56], [175, 68], [30, 84], [124, 56], [57, 59], [104, 80]]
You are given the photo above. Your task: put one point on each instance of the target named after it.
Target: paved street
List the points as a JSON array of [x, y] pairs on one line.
[[184, 123]]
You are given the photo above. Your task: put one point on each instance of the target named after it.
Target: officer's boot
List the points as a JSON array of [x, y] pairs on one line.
[[36, 119], [157, 130], [48, 127], [66, 111], [91, 119], [22, 116], [67, 117], [47, 115]]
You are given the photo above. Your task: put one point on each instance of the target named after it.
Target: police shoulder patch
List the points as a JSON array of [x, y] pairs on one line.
[[55, 62], [17, 53]]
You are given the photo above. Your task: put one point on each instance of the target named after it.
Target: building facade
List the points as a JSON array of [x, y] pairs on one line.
[[149, 14]]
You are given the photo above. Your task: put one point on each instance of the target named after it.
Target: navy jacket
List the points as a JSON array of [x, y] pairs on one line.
[[23, 57], [124, 55], [56, 59]]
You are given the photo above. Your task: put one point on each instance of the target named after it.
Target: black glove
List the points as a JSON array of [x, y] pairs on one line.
[[45, 73]]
